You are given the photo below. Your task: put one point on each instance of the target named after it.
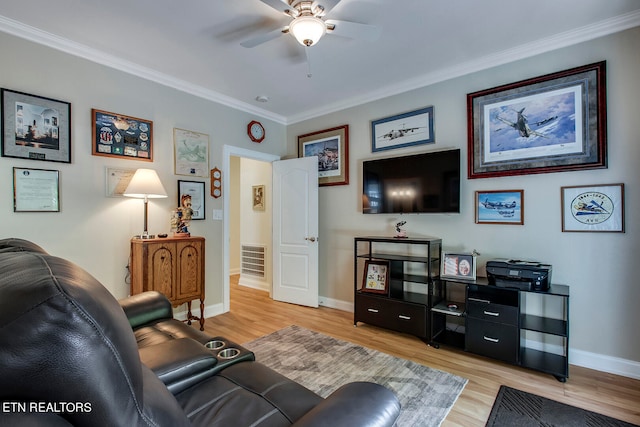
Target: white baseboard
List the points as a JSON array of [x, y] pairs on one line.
[[337, 304], [254, 283]]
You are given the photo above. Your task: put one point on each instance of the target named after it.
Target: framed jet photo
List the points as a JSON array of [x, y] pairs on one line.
[[403, 130]]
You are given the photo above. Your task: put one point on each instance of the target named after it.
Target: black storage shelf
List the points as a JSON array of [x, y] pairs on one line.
[[486, 304], [413, 267], [550, 363], [544, 325]]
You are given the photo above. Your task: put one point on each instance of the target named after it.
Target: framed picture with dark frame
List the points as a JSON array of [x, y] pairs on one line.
[[597, 208], [35, 127], [331, 147], [125, 137], [403, 130], [458, 266], [499, 207], [553, 123], [191, 195], [376, 277]]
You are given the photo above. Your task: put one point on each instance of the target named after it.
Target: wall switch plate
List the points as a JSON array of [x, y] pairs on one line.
[[217, 214]]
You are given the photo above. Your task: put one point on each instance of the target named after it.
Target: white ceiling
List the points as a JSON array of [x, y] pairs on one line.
[[194, 45]]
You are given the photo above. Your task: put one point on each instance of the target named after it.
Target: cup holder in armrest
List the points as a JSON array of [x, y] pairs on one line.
[[227, 353], [215, 344]]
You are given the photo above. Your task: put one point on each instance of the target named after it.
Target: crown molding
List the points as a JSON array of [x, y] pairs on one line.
[[38, 36], [568, 38], [558, 41]]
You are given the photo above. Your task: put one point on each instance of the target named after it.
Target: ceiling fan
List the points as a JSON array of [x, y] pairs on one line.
[[307, 25]]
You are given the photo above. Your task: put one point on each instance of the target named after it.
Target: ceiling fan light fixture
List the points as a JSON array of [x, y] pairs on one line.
[[307, 29]]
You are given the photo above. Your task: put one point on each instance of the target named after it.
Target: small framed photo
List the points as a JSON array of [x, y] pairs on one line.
[[403, 130], [35, 128], [500, 207], [191, 195], [36, 190], [257, 192], [593, 208], [458, 266], [331, 147], [376, 277], [125, 137]]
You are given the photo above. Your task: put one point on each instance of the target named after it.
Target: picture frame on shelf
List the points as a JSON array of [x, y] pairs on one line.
[[593, 208], [499, 207], [35, 127], [36, 190], [403, 130], [124, 137], [459, 266], [376, 277], [331, 147], [552, 123], [258, 197], [191, 195], [191, 153]]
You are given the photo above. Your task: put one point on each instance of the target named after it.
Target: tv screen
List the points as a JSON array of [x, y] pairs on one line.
[[421, 183]]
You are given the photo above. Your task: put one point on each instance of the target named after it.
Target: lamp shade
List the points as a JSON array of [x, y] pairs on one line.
[[307, 29], [145, 184]]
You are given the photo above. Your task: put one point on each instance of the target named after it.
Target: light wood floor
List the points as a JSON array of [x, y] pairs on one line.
[[254, 314]]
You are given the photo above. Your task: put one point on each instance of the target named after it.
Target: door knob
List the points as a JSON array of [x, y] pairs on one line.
[[311, 239]]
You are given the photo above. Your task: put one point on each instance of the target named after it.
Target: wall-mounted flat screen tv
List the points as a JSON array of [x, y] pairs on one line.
[[420, 183]]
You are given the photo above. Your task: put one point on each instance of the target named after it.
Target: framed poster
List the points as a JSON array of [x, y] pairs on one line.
[[403, 130], [593, 208], [191, 196], [125, 137], [500, 207], [376, 277], [191, 153], [36, 190], [35, 128], [331, 146], [551, 123], [458, 266]]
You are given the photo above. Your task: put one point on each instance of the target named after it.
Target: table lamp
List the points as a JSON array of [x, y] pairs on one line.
[[146, 185]]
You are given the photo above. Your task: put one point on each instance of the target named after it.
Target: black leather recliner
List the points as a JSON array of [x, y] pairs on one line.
[[69, 356]]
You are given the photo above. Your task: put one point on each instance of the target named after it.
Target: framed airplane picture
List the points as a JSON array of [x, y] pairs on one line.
[[403, 130], [551, 123], [500, 207]]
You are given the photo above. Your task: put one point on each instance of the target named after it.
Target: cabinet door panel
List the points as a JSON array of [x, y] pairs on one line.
[[190, 272], [162, 272]]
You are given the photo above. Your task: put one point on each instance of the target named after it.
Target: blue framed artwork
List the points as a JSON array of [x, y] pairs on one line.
[[403, 130], [500, 207]]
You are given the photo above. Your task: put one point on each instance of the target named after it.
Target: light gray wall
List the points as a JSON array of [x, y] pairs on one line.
[[93, 230], [601, 268]]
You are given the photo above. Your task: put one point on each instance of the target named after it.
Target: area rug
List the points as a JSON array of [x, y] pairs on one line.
[[322, 364], [518, 408]]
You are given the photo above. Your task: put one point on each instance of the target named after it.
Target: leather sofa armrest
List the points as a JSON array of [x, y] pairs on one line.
[[354, 404], [146, 307], [179, 363]]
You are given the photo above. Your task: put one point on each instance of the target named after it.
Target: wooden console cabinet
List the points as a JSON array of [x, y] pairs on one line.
[[173, 266]]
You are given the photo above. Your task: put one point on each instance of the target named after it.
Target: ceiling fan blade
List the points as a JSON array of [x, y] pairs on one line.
[[282, 6], [263, 38], [352, 30]]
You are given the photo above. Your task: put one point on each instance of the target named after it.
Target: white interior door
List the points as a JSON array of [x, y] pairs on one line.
[[295, 231]]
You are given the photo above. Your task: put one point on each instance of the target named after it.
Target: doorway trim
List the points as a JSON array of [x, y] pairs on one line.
[[229, 151]]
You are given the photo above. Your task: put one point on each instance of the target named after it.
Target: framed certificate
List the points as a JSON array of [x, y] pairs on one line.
[[36, 190]]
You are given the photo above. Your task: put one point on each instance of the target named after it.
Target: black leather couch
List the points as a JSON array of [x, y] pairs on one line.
[[70, 354]]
